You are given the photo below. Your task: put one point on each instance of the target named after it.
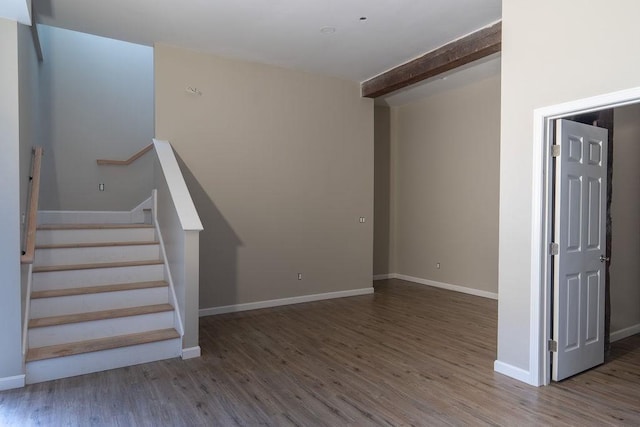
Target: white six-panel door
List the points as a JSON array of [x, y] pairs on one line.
[[579, 232]]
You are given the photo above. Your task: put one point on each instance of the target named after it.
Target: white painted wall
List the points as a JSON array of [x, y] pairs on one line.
[[29, 110], [180, 227], [552, 52], [10, 307], [96, 102], [29, 126], [16, 10]]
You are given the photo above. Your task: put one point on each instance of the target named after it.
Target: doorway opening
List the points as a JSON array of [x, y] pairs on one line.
[[542, 220]]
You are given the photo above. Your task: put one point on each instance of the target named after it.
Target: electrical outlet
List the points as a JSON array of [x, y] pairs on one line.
[[363, 219], [438, 265], [299, 276], [101, 187]]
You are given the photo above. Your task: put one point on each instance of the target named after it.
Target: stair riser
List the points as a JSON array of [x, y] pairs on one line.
[[79, 364], [53, 237], [72, 332], [58, 306], [96, 276], [71, 256]]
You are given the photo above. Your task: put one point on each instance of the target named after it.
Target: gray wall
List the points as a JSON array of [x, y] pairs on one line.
[[625, 217], [29, 110], [530, 82], [10, 306], [445, 190], [29, 125], [97, 102], [280, 166]]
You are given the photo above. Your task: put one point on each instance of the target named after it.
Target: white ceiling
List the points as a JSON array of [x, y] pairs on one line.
[[16, 10], [283, 32]]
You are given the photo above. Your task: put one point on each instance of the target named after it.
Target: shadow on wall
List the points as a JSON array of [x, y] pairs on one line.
[[382, 191], [218, 248]]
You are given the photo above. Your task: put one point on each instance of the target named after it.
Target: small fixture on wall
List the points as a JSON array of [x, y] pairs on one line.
[[328, 30], [193, 91]]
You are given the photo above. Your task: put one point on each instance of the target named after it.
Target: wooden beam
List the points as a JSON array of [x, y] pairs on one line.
[[480, 44]]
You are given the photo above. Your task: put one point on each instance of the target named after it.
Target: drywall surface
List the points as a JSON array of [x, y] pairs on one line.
[[625, 218], [446, 186], [29, 128], [543, 68], [280, 166], [96, 102], [29, 111], [10, 307], [382, 243]]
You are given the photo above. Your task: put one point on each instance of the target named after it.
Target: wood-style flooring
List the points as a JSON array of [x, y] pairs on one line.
[[406, 355]]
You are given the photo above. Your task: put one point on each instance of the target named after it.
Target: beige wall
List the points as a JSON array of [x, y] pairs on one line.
[[625, 217], [96, 96], [382, 243], [552, 52], [446, 185], [280, 166]]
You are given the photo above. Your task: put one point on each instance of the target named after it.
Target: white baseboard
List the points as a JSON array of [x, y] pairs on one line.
[[191, 352], [283, 301], [625, 333], [383, 276], [441, 285], [512, 371], [7, 383]]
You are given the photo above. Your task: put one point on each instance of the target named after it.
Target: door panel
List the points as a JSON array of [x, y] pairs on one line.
[[579, 231]]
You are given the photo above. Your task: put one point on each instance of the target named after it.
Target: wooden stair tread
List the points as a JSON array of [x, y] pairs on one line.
[[60, 350], [98, 315], [91, 226], [49, 268], [97, 289], [98, 245]]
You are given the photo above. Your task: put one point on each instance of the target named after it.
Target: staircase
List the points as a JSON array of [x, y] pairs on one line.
[[99, 301]]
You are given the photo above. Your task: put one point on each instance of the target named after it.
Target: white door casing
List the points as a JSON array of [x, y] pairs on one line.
[[579, 232]]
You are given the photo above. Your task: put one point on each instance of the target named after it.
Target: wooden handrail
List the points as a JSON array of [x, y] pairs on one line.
[[129, 160], [32, 210]]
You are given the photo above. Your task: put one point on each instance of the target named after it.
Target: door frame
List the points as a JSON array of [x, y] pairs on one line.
[[542, 220]]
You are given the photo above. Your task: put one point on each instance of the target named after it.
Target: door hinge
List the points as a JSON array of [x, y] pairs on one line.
[[554, 248], [555, 151], [553, 346]]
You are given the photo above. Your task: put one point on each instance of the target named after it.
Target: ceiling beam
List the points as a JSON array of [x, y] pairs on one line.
[[480, 44]]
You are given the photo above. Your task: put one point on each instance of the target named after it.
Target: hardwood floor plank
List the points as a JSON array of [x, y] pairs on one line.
[[91, 226], [98, 344], [98, 244], [98, 315], [91, 266], [86, 290], [406, 355]]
